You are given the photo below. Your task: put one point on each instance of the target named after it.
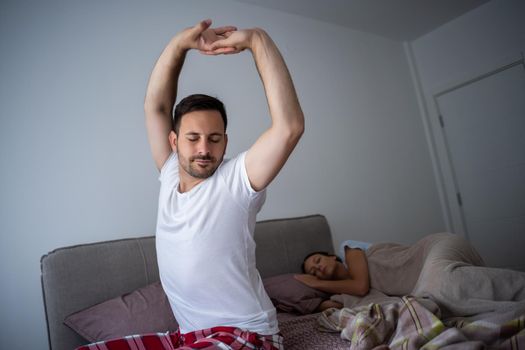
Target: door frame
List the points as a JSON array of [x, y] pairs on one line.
[[453, 191], [439, 153]]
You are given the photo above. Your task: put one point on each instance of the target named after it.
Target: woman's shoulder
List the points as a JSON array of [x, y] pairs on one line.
[[352, 244]]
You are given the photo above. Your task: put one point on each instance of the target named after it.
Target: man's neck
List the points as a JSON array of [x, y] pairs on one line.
[[187, 182]]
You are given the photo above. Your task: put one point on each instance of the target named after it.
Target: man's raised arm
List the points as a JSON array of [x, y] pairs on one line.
[[268, 154], [162, 87]]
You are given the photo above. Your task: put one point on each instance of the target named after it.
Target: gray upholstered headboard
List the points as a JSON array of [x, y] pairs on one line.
[[74, 278]]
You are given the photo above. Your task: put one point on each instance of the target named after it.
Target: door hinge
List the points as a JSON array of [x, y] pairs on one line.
[[441, 121], [460, 200]]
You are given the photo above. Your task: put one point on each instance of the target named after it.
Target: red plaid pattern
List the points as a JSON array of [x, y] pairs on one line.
[[225, 338]]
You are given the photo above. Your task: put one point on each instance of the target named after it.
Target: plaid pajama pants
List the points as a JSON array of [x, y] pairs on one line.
[[224, 338]]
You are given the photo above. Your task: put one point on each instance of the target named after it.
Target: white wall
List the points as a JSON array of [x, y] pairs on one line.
[[470, 44], [75, 161], [480, 41]]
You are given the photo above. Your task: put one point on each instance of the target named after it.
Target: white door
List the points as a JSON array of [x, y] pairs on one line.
[[483, 122]]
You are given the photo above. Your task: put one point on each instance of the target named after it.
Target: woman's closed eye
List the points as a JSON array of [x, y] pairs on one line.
[[315, 267]]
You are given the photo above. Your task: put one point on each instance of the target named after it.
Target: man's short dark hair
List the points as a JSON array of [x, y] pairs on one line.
[[322, 253], [197, 102]]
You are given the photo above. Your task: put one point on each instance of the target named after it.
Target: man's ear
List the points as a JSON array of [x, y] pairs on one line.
[[173, 141], [225, 142]]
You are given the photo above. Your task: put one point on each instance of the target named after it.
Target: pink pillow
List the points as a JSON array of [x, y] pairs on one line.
[[290, 295], [145, 310]]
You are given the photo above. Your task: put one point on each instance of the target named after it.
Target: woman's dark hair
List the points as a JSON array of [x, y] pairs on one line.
[[322, 253], [197, 102]]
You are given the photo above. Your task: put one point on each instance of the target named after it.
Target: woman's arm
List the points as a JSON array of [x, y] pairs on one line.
[[358, 270]]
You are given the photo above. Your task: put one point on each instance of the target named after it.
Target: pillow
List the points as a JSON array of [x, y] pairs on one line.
[[291, 295], [145, 310]]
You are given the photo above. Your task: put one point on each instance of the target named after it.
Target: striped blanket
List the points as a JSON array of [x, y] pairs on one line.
[[407, 324], [225, 338]]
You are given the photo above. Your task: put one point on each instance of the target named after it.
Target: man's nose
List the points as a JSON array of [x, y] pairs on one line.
[[204, 147]]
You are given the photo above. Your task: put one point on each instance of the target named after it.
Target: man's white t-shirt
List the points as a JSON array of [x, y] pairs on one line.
[[206, 251]]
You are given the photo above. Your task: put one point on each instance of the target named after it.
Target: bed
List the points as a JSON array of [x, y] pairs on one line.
[[110, 289]]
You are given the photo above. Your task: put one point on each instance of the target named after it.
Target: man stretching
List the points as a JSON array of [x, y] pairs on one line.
[[207, 205]]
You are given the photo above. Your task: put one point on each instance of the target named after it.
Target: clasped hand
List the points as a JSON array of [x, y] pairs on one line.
[[215, 41]]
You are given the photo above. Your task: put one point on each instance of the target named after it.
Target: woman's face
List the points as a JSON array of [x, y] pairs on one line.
[[321, 266]]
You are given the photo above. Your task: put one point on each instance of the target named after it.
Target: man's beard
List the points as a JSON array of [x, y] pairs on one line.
[[196, 171]]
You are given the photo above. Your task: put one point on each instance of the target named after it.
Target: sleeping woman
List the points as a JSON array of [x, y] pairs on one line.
[[327, 272], [442, 266]]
